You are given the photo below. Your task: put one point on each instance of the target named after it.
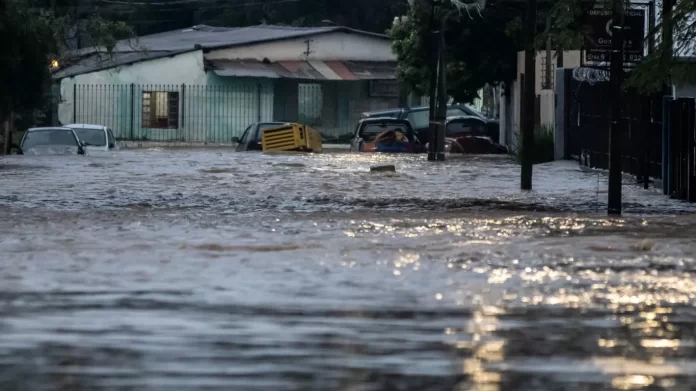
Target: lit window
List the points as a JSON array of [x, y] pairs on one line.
[[160, 110]]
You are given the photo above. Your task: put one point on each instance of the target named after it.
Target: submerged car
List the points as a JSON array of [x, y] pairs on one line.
[[385, 135], [95, 137], [467, 134], [251, 138], [51, 141], [419, 117]]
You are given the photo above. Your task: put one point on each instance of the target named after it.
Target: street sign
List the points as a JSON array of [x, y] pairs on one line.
[[598, 42]]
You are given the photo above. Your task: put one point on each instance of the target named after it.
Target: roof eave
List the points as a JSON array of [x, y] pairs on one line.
[[208, 48], [131, 62]]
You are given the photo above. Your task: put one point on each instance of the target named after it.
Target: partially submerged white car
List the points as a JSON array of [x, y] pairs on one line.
[[95, 137]]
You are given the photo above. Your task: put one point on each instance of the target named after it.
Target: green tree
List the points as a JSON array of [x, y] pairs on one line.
[[479, 51], [34, 37], [28, 46], [659, 68]]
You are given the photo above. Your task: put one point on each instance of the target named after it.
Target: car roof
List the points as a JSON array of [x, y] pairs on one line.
[[85, 126], [385, 119], [464, 117], [48, 128]]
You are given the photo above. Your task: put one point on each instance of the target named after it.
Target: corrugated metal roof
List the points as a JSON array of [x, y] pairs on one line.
[[368, 70], [306, 70], [189, 39], [245, 69]]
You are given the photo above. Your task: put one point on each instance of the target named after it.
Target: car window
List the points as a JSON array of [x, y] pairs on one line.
[[48, 137], [473, 112], [91, 136], [370, 131], [461, 128], [112, 139], [245, 136], [421, 119]]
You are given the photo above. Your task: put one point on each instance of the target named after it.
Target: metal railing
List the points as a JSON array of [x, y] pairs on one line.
[[205, 113]]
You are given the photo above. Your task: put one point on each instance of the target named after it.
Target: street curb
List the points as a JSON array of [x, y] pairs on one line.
[[654, 183], [183, 145]]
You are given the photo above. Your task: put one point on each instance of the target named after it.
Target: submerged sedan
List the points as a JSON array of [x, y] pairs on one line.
[[388, 135], [51, 141], [251, 138], [95, 137]]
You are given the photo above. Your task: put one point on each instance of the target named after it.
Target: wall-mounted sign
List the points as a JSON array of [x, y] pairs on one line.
[[598, 42]]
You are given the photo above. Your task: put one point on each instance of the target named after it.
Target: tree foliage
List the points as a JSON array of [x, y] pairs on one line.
[[664, 65], [479, 51], [25, 56], [33, 37]]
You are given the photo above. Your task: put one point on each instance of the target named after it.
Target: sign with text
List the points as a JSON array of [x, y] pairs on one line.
[[598, 41]]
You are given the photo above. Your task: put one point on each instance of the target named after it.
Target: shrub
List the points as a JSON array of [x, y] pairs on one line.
[[543, 149]]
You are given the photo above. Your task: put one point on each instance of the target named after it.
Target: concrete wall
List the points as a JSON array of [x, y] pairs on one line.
[[332, 46], [571, 59], [684, 90], [185, 68]]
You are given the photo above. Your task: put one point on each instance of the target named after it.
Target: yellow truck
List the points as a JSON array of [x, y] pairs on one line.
[[291, 137]]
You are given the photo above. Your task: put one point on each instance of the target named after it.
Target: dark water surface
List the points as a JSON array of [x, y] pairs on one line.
[[211, 270]]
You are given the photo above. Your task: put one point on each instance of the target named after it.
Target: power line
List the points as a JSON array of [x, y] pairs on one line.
[[141, 4]]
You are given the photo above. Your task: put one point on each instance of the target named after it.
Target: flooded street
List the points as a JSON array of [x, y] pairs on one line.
[[214, 270]]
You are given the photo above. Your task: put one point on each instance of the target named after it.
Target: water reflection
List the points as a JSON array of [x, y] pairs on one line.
[[208, 271]]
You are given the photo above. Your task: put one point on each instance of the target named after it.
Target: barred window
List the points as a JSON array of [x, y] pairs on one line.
[[160, 110]]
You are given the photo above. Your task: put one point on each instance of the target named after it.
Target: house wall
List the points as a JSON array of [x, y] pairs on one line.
[[331, 107], [684, 90], [332, 46], [211, 108], [571, 59]]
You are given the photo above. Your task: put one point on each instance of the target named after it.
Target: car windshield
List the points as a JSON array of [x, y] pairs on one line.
[[474, 112], [465, 127], [92, 136], [47, 137], [421, 119], [371, 131]]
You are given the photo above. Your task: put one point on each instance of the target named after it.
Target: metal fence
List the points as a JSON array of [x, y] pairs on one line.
[[588, 122], [212, 114], [216, 113], [679, 151]]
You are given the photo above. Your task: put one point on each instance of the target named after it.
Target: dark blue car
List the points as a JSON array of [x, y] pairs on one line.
[[251, 139]]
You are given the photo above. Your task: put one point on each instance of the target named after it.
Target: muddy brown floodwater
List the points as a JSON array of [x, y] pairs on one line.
[[213, 270]]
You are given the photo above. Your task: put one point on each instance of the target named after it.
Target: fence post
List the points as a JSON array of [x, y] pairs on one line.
[[643, 157], [675, 124], [666, 146], [74, 113], [690, 153], [686, 130], [182, 105], [258, 102], [132, 118]]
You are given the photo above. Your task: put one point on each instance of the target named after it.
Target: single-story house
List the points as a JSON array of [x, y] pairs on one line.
[[207, 84]]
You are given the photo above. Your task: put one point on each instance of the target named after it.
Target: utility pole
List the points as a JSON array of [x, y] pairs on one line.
[[616, 130], [668, 39], [441, 113], [529, 92], [433, 56]]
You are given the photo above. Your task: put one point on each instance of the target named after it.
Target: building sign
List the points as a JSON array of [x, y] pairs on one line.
[[598, 41], [384, 88]]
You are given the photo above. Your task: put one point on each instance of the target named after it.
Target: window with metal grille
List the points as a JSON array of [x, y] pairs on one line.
[[160, 110], [543, 75]]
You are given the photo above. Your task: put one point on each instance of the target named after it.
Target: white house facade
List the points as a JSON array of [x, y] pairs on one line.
[[208, 84]]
